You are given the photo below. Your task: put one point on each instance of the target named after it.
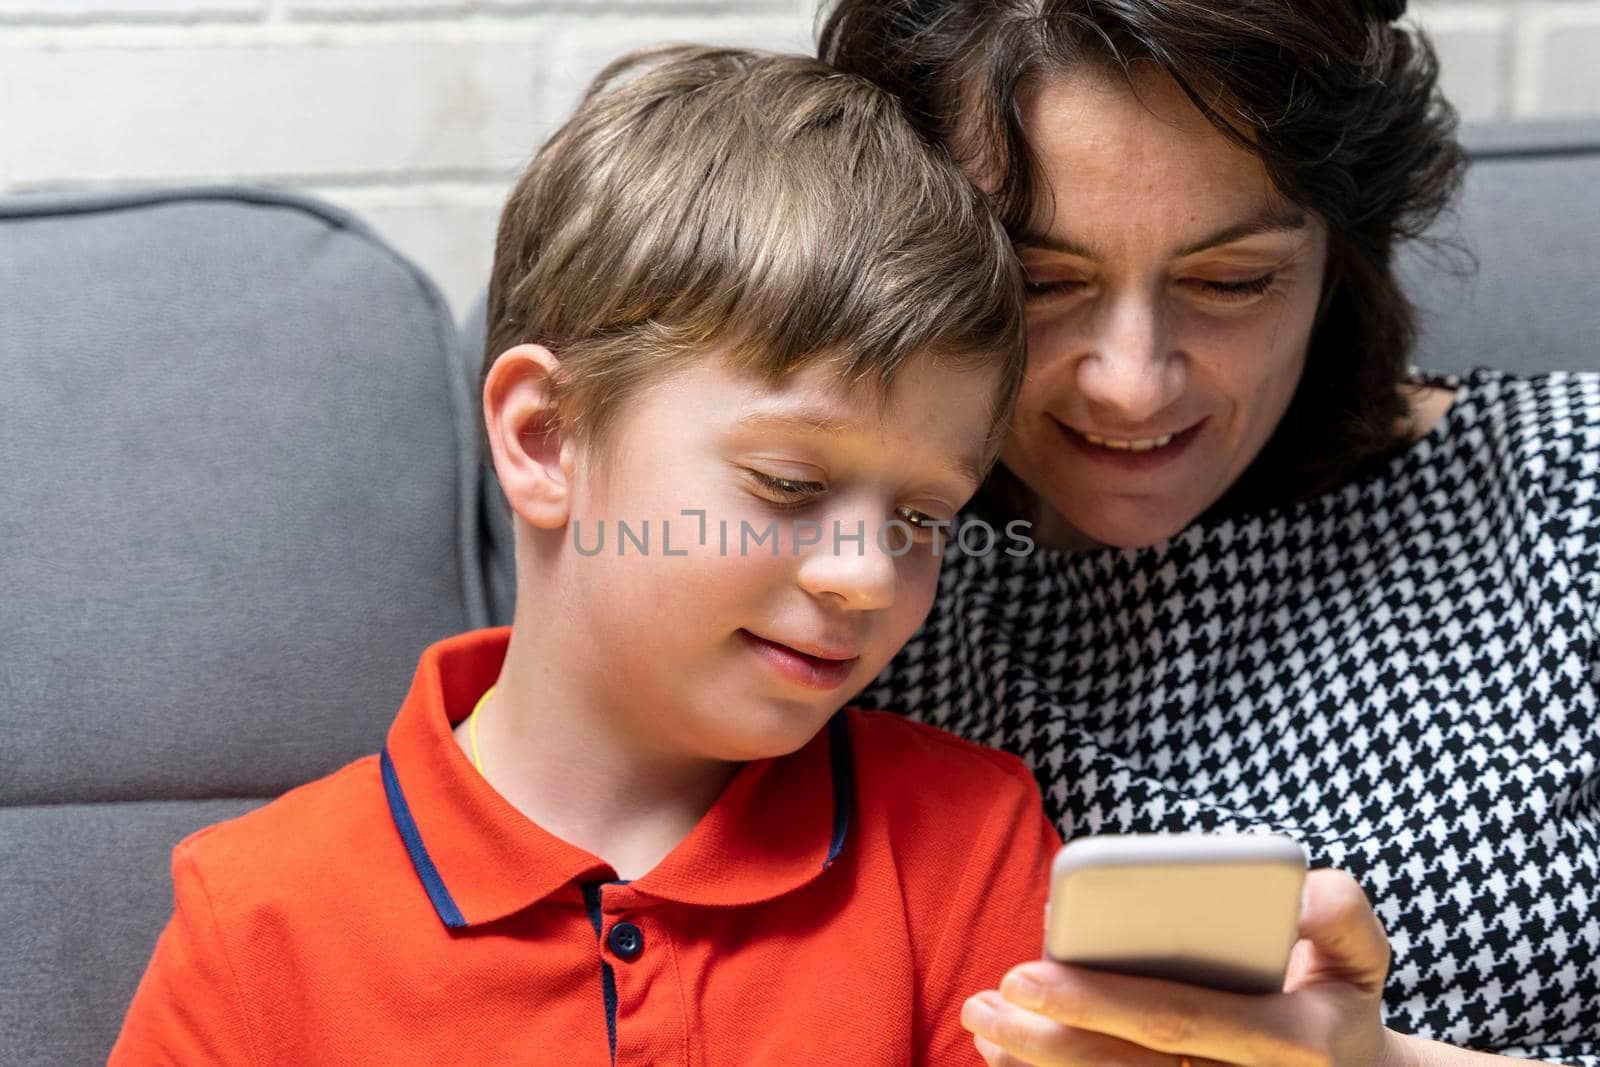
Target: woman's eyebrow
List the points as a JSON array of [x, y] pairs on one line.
[[1268, 220], [1049, 242]]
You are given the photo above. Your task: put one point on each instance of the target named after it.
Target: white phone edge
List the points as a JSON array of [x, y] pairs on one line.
[[1132, 850]]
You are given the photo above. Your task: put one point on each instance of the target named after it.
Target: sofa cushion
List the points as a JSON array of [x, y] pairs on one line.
[[84, 891], [240, 495]]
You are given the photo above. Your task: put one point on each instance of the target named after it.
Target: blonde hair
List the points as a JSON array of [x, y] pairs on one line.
[[763, 207]]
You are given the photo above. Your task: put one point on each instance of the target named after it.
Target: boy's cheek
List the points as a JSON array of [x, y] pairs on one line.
[[918, 584]]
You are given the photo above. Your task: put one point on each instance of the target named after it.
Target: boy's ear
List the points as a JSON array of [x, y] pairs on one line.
[[532, 458]]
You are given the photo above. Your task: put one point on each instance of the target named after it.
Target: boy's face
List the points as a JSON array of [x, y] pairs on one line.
[[744, 645]]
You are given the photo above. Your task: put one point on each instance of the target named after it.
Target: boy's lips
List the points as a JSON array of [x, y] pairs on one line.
[[814, 666]]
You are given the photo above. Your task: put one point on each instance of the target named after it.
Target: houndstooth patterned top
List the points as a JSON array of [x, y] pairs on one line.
[[1403, 674]]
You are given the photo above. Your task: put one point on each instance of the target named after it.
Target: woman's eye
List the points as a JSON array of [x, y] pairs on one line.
[[1244, 289], [1059, 287], [788, 488]]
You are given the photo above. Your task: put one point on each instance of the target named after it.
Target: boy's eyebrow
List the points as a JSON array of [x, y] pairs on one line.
[[1268, 220], [798, 419], [819, 421]]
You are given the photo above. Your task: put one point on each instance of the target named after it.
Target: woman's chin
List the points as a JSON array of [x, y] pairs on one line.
[[1132, 524]]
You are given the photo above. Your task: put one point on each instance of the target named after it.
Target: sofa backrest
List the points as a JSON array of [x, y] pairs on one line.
[[240, 496], [499, 549], [1530, 216]]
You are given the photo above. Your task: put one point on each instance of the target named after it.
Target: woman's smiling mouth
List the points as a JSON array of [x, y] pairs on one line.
[[1131, 454], [1143, 444]]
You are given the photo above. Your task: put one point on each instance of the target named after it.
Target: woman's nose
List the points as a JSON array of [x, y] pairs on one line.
[[1129, 370]]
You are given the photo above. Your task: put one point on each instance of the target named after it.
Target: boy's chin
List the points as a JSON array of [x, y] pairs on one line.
[[768, 733]]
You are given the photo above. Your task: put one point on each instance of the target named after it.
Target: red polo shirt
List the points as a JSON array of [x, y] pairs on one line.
[[835, 906]]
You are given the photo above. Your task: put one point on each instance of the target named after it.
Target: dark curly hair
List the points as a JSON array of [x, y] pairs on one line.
[[1340, 104]]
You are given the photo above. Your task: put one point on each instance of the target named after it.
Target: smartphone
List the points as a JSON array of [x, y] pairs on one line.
[[1208, 909]]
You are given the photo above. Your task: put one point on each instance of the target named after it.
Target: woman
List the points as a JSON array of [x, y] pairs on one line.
[[1280, 583]]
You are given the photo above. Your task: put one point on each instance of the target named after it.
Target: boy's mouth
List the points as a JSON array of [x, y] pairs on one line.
[[808, 667]]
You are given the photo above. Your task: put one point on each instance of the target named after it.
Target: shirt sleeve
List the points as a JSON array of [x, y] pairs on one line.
[[993, 913], [188, 1008]]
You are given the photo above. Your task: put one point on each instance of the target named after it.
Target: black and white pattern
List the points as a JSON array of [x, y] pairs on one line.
[[1403, 674]]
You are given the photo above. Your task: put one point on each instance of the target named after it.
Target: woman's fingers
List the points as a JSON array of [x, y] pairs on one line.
[[993, 1054], [1009, 1036], [1170, 1018], [1341, 938], [1049, 1014], [1052, 1013]]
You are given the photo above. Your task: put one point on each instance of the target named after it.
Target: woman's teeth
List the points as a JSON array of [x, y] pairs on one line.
[[1142, 445]]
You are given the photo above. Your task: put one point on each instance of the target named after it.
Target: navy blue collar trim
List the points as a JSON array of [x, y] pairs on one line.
[[434, 885], [842, 761]]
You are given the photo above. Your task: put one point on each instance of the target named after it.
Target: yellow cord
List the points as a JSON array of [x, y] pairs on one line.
[[472, 729]]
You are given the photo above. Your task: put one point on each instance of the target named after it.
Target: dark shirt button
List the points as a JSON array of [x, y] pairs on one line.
[[626, 940]]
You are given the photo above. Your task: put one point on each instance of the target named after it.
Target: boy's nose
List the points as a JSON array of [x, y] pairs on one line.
[[856, 573]]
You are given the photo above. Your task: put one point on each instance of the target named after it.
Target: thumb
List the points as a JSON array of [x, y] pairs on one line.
[[1341, 939]]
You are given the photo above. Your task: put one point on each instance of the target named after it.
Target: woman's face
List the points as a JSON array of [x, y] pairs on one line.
[[1171, 295]]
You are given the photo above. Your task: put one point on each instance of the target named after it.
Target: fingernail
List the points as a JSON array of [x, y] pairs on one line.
[[1023, 991], [977, 1016]]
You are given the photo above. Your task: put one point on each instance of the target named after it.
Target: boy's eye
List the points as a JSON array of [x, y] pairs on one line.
[[922, 524], [788, 488]]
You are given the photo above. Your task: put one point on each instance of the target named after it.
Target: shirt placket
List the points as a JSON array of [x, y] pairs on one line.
[[639, 991]]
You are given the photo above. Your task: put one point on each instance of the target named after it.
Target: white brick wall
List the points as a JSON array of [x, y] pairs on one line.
[[416, 113]]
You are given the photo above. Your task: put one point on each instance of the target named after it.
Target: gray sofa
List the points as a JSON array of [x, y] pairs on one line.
[[241, 492]]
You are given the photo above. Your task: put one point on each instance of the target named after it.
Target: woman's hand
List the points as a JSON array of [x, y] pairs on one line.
[[1054, 1015]]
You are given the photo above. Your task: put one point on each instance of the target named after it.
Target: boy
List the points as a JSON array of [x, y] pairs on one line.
[[751, 345]]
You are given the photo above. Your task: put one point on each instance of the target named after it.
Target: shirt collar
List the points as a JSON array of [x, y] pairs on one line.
[[777, 825]]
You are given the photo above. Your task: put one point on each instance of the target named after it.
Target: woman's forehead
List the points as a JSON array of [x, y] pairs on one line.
[[1139, 108], [1132, 159]]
